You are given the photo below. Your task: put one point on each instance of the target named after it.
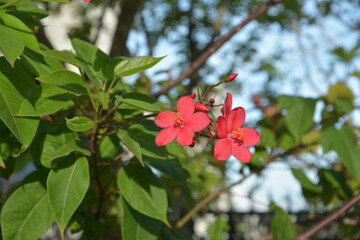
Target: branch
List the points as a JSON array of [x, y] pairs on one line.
[[214, 195], [329, 219], [215, 46]]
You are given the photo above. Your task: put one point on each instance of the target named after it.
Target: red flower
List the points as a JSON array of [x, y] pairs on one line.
[[233, 139], [181, 124]]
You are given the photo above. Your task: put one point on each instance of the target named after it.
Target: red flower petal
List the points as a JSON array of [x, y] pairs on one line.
[[251, 136], [221, 129], [197, 121], [241, 152], [164, 119], [227, 105], [222, 150], [235, 119], [185, 136], [166, 136], [185, 106]]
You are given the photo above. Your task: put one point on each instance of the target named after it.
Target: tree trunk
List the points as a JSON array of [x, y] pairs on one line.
[[125, 22]]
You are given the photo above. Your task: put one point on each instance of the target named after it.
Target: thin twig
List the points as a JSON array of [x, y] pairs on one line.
[[215, 46], [329, 219]]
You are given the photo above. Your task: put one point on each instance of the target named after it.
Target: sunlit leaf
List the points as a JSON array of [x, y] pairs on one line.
[[134, 65]]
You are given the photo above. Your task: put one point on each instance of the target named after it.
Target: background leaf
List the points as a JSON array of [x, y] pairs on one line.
[[217, 228], [342, 142], [299, 117], [282, 227]]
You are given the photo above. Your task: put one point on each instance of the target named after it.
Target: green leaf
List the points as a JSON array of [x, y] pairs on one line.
[[39, 64], [27, 213], [146, 140], [45, 100], [304, 181], [339, 91], [299, 118], [268, 137], [67, 80], [104, 99], [20, 29], [85, 52], [140, 101], [338, 181], [282, 228], [143, 191], [216, 230], [58, 144], [137, 226], [64, 56], [79, 124], [16, 84], [67, 188], [104, 66], [11, 45], [130, 142], [170, 167], [343, 142], [134, 65]]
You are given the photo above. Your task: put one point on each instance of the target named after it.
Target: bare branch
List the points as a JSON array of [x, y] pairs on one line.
[[215, 46], [329, 219]]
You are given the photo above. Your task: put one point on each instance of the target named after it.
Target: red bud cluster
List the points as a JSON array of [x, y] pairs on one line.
[[231, 77], [201, 107]]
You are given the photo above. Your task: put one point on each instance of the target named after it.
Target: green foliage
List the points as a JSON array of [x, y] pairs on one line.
[[27, 213], [79, 124], [135, 65], [150, 198], [84, 132], [137, 226], [282, 228], [299, 117], [341, 141], [216, 229], [67, 186]]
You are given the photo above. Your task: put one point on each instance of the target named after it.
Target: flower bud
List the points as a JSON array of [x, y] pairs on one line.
[[201, 107], [193, 95], [213, 133], [211, 101], [192, 144], [231, 77]]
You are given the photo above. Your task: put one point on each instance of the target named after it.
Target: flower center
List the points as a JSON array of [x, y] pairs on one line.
[[237, 135], [177, 120]]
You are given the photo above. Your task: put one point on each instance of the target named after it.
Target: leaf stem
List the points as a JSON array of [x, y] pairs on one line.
[[9, 4], [130, 119], [110, 112], [329, 219]]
